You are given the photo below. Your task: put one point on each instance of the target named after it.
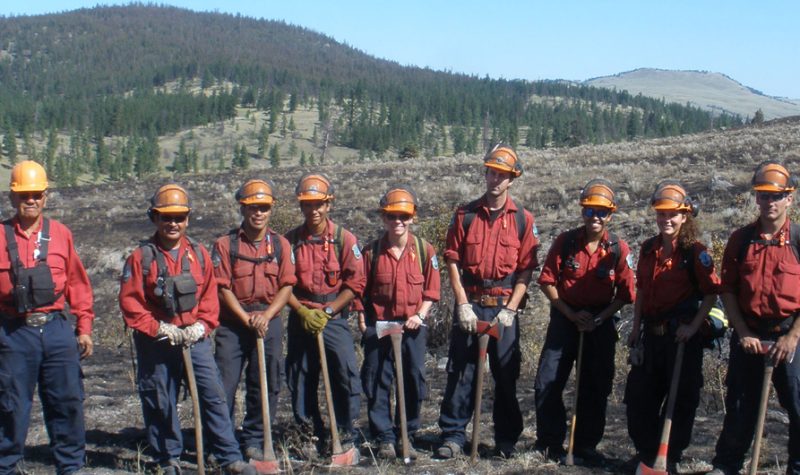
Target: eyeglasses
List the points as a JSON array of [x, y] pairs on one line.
[[36, 196], [395, 217], [261, 208], [594, 212], [172, 218], [771, 196]]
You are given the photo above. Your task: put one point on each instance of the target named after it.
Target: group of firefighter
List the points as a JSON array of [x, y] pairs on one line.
[[175, 295]]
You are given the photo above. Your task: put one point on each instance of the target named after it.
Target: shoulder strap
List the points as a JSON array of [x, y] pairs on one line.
[[748, 233], [338, 242], [13, 249], [614, 249], [277, 247], [44, 240], [519, 217], [795, 239], [196, 247], [422, 253], [568, 247], [470, 210]]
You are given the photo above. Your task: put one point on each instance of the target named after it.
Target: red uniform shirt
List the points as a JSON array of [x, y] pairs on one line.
[[662, 286], [70, 279], [140, 307], [492, 250], [581, 284], [396, 287], [317, 266], [250, 282], [767, 281]]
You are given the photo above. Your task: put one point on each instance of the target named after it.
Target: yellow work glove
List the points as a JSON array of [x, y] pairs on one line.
[[313, 319]]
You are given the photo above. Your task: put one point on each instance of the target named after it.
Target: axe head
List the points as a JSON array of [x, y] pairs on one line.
[[266, 466], [486, 328], [388, 328], [345, 459], [643, 469]]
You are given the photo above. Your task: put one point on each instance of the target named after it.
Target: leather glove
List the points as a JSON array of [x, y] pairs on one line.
[[313, 319], [171, 332], [467, 319], [505, 317], [193, 333]]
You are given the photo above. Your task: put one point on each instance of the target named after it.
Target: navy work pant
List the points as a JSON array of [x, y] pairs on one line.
[[378, 379], [459, 394], [745, 374], [160, 373], [559, 353], [47, 356], [647, 390], [303, 375], [236, 351]]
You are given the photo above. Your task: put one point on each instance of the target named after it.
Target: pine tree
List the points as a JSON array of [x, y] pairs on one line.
[[274, 156]]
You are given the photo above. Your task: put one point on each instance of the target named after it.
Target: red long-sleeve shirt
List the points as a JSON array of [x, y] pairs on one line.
[[69, 275]]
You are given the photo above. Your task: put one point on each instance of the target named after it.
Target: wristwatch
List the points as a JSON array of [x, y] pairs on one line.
[[329, 311]]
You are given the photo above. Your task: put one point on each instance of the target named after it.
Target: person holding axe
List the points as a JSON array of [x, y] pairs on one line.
[[402, 283], [168, 296], [676, 288], [587, 277], [255, 274], [330, 275], [491, 253], [761, 293]]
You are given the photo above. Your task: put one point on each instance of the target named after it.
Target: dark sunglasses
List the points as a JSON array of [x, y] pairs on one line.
[[593, 212], [399, 216], [261, 208], [172, 218], [37, 195], [771, 195]]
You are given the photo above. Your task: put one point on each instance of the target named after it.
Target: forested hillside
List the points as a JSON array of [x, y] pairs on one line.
[[128, 75]]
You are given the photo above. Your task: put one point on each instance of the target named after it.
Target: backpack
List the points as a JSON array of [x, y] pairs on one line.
[[276, 254], [570, 248], [471, 209], [749, 234], [422, 251]]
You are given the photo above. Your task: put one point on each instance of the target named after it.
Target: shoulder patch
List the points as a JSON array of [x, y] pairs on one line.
[[356, 251], [435, 262], [705, 259], [216, 259], [629, 260], [126, 273]]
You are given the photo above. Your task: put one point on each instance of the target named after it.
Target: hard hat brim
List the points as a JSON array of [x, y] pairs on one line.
[[502, 168], [399, 208], [28, 188], [771, 187], [172, 209], [253, 200]]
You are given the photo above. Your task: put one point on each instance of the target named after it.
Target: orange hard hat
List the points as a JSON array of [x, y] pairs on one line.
[[671, 196], [314, 186], [772, 176], [170, 199], [399, 199], [502, 157], [598, 192], [255, 192], [28, 176]]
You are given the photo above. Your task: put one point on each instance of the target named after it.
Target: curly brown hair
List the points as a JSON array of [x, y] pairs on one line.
[[687, 236]]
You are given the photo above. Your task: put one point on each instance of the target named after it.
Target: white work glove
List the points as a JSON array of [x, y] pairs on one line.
[[505, 317], [467, 319], [171, 332], [193, 333]]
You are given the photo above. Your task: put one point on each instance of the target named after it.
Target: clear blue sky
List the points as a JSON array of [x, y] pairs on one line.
[[753, 42]]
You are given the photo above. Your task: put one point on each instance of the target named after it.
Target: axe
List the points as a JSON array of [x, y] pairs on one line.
[[762, 408], [484, 331], [198, 425], [339, 458], [395, 331], [269, 464]]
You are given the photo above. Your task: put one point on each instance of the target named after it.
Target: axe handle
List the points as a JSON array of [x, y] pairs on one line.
[[570, 460], [269, 453], [663, 448], [762, 414], [397, 339], [323, 361], [198, 423], [483, 343]]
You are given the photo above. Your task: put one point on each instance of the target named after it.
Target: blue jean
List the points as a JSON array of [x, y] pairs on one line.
[[459, 394], [160, 373], [47, 356], [378, 379]]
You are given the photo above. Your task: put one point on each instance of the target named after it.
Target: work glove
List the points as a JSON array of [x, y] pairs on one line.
[[171, 332], [467, 319], [505, 317], [193, 333], [313, 319]]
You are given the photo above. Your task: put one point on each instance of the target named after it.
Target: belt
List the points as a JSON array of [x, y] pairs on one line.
[[767, 326], [255, 307], [657, 329], [36, 319], [489, 300], [316, 298]]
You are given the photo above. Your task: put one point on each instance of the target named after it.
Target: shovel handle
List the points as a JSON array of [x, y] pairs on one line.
[[269, 453], [198, 425], [570, 459], [762, 414], [483, 343], [397, 339], [323, 361]]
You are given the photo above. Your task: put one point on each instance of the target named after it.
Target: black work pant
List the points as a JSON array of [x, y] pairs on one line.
[[559, 353]]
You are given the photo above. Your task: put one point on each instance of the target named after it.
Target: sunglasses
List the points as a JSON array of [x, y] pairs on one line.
[[172, 218], [593, 212], [36, 196], [261, 208], [397, 216], [770, 196]]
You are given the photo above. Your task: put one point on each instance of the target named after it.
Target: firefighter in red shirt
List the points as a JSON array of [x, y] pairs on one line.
[[676, 288], [402, 283], [330, 275], [40, 273], [255, 274], [587, 278], [491, 253], [761, 293], [168, 296]]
